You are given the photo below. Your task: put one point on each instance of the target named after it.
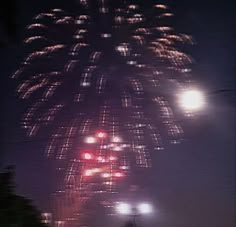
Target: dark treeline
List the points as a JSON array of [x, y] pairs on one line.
[[15, 210]]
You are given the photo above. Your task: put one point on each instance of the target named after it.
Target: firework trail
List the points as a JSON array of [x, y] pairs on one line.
[[97, 81]]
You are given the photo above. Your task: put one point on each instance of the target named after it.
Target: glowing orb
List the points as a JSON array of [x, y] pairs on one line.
[[101, 135], [87, 156], [192, 100]]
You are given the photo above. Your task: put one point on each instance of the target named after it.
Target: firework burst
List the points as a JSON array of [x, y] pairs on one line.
[[105, 68]]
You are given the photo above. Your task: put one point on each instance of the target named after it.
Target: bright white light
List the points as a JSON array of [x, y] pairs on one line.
[[118, 174], [192, 100], [144, 208], [87, 156], [106, 35], [85, 84], [124, 167], [101, 135], [124, 208], [46, 218], [116, 139], [106, 175], [90, 140]]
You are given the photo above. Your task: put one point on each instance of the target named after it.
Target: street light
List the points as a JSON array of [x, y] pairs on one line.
[[191, 100], [144, 208], [124, 208], [134, 210]]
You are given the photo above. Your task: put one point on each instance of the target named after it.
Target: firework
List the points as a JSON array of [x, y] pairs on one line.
[[96, 82]]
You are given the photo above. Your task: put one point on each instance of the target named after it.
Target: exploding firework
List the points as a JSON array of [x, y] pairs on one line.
[[97, 82]]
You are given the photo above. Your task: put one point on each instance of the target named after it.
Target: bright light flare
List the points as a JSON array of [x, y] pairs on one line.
[[191, 100], [116, 139], [124, 208], [118, 174], [144, 208], [124, 167], [101, 135], [46, 218], [90, 140], [87, 156]]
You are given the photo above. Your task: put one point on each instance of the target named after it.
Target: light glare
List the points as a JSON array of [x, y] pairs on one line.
[[87, 156], [106, 175], [116, 139], [118, 174], [90, 140], [101, 135], [192, 100], [123, 208], [144, 208]]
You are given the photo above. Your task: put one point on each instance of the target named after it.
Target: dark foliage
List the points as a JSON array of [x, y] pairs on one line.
[[8, 21], [15, 210]]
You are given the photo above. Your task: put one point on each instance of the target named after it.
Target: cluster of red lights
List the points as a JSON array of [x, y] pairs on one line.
[[89, 156], [92, 158]]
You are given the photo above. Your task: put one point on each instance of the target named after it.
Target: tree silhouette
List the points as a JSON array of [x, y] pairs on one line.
[[8, 22], [15, 210]]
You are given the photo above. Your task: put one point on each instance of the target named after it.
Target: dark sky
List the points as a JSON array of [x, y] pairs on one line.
[[192, 184]]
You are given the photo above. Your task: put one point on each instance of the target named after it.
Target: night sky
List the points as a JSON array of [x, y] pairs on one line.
[[191, 184]]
